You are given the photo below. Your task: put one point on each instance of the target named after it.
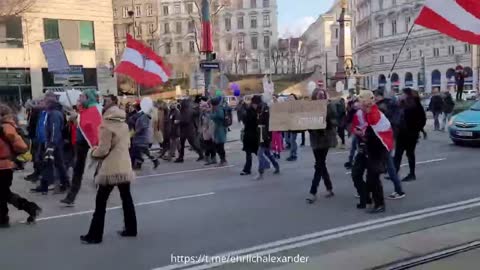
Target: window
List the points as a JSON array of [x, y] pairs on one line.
[[380, 4], [191, 46], [149, 9], [266, 42], [138, 28], [168, 48], [241, 43], [266, 20], [382, 59], [165, 10], [267, 62], [394, 56], [336, 33], [451, 50], [408, 20], [115, 12], [166, 28], [151, 28], [240, 4], [189, 8], [380, 30], [394, 27], [115, 30], [177, 8], [228, 44], [228, 24], [179, 47], [50, 28], [240, 22], [191, 27], [253, 3], [254, 43], [266, 3], [151, 43], [11, 31], [178, 27], [253, 22], [125, 12], [420, 52], [336, 50], [436, 52], [138, 11], [409, 55], [87, 39], [117, 49], [468, 48]]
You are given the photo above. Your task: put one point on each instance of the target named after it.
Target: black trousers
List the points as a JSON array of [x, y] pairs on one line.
[[58, 164], [8, 197], [220, 149], [321, 171], [98, 220], [303, 138], [193, 143], [341, 133], [209, 148], [459, 93], [81, 150], [372, 188], [248, 162], [407, 145]]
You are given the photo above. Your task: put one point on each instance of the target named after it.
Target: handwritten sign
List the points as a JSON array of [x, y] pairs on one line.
[[298, 115]]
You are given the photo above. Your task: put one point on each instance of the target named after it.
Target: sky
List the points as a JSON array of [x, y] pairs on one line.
[[294, 16]]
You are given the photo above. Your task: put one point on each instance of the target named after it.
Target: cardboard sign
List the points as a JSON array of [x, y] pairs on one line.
[[298, 115], [55, 55]]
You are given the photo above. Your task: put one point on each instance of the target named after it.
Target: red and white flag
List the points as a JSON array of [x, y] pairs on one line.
[[142, 64], [459, 19], [379, 123]]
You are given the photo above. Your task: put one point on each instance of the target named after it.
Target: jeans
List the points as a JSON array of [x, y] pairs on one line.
[[98, 220], [353, 149], [407, 145], [8, 197], [392, 172], [293, 144], [58, 163], [321, 171], [79, 169], [248, 162], [446, 118], [220, 149], [263, 154], [436, 116]]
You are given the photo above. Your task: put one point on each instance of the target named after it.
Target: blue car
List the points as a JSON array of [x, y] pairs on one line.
[[465, 126]]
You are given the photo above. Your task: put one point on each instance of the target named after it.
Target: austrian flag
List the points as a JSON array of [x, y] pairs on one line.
[[142, 64], [459, 19]]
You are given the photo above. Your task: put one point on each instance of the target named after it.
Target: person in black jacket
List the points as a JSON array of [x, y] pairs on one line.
[[412, 122], [250, 137], [264, 138], [188, 116], [436, 107], [448, 106]]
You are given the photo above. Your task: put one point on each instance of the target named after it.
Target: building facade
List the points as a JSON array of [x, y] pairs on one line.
[[321, 42], [85, 29], [428, 60]]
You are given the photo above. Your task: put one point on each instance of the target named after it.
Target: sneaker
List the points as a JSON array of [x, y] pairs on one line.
[[329, 194], [258, 177], [292, 159], [125, 233], [311, 199], [67, 202], [277, 171], [89, 241], [31, 177], [156, 163], [178, 160], [409, 178], [357, 196], [38, 190], [396, 196], [348, 165], [377, 209], [34, 213], [245, 173]]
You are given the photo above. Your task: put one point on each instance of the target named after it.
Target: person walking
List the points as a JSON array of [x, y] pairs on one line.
[[321, 141], [114, 170], [436, 107], [11, 144], [448, 107], [341, 120], [220, 133], [207, 128], [413, 120], [187, 130], [264, 138], [88, 122], [173, 130], [376, 141], [292, 136], [249, 137]]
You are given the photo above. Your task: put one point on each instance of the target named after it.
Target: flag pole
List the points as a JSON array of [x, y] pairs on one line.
[[401, 50]]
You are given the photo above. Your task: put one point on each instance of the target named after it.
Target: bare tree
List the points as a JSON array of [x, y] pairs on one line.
[[275, 54], [14, 7]]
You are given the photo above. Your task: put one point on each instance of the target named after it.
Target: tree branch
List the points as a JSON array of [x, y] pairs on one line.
[[14, 7]]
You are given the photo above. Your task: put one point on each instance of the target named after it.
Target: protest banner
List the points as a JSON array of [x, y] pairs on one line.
[[298, 115]]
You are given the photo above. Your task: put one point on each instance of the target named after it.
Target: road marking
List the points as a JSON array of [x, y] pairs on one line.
[[138, 204], [312, 238], [186, 171], [418, 163]]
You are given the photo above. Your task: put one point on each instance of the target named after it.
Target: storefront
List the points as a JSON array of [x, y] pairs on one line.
[[15, 85], [77, 76]]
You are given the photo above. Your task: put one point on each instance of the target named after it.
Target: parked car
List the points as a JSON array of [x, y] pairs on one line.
[[470, 94], [465, 126]]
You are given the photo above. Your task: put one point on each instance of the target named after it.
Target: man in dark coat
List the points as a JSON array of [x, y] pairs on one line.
[[436, 107], [249, 137], [188, 117], [448, 107]]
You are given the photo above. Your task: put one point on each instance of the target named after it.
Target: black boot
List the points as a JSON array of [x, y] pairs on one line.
[[34, 211]]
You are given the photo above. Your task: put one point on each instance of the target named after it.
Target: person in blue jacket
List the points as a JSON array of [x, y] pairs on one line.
[[220, 131]]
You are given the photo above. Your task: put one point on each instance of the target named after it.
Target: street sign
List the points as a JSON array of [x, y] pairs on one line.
[[210, 65]]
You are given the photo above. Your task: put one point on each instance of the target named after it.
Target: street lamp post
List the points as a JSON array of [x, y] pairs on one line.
[[207, 43]]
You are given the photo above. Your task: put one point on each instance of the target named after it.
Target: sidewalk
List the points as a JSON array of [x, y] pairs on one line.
[[377, 255]]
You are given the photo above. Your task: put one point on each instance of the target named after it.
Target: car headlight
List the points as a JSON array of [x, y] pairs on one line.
[[452, 121]]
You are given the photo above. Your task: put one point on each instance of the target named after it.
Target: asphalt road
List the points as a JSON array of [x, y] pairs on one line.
[[189, 210]]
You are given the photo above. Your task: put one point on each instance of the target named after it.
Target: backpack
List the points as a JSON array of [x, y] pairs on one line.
[[228, 116]]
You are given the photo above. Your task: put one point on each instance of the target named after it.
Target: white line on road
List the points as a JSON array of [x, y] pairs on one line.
[[427, 212], [418, 163], [138, 204], [186, 171]]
